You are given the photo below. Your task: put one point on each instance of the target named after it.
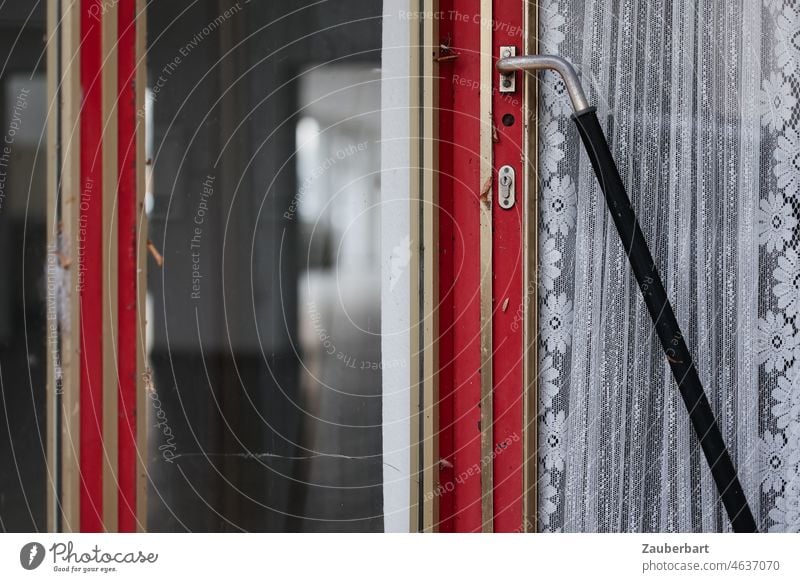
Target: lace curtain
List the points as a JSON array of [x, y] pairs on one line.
[[700, 101]]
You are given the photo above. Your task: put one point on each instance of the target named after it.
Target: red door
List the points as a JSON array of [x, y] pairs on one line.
[[487, 236]]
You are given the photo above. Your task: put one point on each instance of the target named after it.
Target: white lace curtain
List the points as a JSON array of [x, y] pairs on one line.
[[700, 100]]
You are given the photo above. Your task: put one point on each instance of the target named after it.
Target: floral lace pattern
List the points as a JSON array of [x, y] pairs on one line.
[[778, 235], [710, 154], [558, 202], [776, 223]]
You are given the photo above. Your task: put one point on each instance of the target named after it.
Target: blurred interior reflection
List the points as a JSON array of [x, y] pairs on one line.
[[264, 317], [338, 167], [23, 277]]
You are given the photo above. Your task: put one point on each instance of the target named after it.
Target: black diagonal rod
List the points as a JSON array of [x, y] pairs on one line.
[[655, 297], [652, 288]]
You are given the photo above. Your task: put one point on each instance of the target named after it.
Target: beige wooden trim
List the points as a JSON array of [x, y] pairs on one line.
[[424, 357], [430, 289], [530, 262], [487, 414], [70, 208], [142, 400], [53, 265], [110, 270], [415, 266]]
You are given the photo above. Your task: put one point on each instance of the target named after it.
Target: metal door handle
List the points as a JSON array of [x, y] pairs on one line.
[[541, 62]]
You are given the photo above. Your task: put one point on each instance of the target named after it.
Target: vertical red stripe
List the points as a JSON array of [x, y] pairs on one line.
[[507, 322], [447, 235], [127, 244], [459, 156], [90, 267], [460, 358]]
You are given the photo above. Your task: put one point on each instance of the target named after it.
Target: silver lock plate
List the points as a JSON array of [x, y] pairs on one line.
[[506, 194], [508, 81]]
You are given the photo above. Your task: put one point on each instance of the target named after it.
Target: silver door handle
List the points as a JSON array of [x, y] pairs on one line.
[[538, 62]]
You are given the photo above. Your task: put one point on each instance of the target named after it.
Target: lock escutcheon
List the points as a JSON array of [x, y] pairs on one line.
[[506, 195]]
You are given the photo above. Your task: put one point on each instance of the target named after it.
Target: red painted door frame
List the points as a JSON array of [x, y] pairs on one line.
[[90, 275], [128, 243], [461, 194], [93, 263]]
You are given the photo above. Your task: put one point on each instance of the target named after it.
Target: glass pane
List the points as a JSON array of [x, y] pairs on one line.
[[338, 165], [26, 284], [265, 315]]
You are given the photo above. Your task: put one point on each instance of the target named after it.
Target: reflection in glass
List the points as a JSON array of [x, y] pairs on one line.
[[28, 276], [338, 163], [264, 316]]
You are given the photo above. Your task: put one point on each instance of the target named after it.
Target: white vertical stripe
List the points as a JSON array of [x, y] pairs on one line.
[[395, 287]]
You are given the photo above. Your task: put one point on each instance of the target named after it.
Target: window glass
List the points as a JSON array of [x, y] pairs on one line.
[[264, 317], [26, 283]]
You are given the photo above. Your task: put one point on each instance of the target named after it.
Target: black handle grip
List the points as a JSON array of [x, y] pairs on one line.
[[655, 297]]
